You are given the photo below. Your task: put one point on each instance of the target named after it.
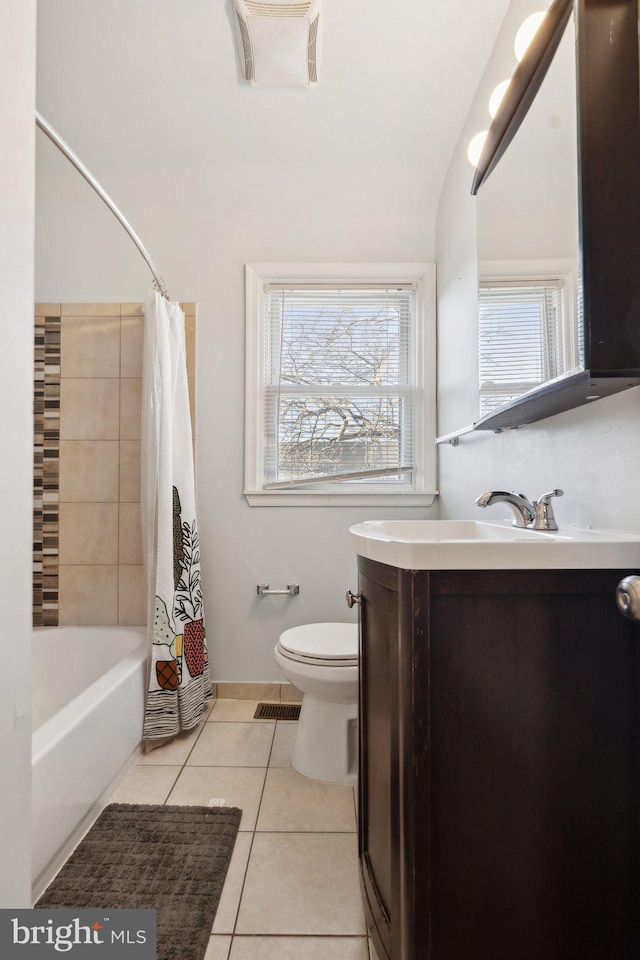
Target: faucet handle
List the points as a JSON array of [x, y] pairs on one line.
[[543, 518], [547, 496]]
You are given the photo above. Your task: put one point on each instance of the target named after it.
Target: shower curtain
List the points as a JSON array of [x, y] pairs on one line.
[[179, 681]]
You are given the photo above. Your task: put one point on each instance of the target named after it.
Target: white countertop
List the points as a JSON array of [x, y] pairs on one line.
[[468, 545]]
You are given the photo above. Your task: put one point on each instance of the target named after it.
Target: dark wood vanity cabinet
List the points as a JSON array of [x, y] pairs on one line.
[[499, 765]]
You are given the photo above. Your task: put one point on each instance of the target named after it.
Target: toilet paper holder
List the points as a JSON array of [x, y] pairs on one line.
[[293, 589]]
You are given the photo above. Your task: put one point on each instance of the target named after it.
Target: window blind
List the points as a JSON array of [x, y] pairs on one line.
[[338, 381], [521, 338]]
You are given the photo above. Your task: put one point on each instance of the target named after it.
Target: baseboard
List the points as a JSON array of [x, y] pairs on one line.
[[272, 692]]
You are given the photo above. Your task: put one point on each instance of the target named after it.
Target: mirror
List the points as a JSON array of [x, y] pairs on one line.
[[528, 246], [559, 219]]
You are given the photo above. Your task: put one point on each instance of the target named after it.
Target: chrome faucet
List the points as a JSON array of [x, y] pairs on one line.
[[543, 515], [523, 510], [535, 516]]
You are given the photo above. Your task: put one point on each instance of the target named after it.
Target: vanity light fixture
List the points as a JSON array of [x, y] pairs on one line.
[[497, 96], [524, 36], [527, 32], [474, 150]]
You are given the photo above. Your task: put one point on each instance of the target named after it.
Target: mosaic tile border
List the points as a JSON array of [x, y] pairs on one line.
[[46, 413]]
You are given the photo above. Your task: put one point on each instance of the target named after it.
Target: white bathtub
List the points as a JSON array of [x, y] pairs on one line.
[[88, 702]]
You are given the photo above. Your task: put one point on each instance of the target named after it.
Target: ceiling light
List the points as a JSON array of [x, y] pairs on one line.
[[527, 32], [474, 151], [497, 97]]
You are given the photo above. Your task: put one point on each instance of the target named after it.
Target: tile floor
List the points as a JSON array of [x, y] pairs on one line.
[[292, 890]]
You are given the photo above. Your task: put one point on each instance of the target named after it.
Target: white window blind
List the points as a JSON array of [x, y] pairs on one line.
[[522, 338], [338, 382]]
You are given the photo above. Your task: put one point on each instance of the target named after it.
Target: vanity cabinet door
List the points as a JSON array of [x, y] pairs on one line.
[[533, 766], [378, 756]]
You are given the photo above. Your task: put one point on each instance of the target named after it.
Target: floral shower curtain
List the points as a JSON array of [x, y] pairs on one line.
[[179, 680]]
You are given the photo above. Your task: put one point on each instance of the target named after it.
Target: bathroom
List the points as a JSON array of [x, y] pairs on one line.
[[214, 174]]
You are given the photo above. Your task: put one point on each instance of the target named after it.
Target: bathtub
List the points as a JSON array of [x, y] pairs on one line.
[[88, 702]]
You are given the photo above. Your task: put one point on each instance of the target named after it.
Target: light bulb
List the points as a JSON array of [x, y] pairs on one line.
[[474, 151], [526, 33], [497, 97]]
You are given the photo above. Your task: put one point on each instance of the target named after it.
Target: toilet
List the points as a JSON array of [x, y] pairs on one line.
[[321, 659]]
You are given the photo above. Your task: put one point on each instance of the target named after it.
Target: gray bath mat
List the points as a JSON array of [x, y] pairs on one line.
[[170, 858]]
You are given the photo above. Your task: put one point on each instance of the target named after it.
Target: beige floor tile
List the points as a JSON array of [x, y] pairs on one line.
[[89, 409], [302, 883], [283, 743], [239, 710], [218, 948], [237, 786], [233, 745], [89, 471], [88, 533], [90, 347], [292, 802], [175, 751], [146, 784], [299, 948], [229, 901]]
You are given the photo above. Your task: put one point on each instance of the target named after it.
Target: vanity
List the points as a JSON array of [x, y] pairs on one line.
[[499, 701], [499, 809]]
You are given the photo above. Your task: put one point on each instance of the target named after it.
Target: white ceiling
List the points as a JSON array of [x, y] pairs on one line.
[[155, 85]]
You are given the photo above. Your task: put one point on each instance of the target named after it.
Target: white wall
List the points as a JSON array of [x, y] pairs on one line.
[[214, 174], [17, 99], [592, 452]]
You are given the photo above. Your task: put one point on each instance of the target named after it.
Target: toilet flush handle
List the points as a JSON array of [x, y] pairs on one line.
[[353, 598]]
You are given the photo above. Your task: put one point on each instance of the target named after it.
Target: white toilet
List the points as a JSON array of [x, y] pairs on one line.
[[321, 659]]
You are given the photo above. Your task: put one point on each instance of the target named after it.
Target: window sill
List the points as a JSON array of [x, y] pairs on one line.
[[303, 498]]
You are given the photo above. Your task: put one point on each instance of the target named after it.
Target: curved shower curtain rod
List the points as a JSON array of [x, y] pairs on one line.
[[73, 158]]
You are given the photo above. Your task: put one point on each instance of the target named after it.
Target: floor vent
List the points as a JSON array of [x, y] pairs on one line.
[[277, 711]]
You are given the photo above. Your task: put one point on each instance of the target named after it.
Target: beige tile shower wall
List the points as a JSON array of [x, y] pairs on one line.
[[100, 565]]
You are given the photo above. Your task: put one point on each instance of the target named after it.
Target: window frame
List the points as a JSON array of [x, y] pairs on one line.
[[532, 271], [422, 491]]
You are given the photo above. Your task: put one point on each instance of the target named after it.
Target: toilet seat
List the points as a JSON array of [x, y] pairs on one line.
[[322, 644]]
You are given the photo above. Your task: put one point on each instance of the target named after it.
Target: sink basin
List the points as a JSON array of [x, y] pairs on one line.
[[469, 545]]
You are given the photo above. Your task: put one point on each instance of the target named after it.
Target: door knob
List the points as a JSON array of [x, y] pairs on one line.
[[628, 597], [355, 598]]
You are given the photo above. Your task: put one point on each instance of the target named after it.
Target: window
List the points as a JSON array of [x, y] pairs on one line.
[[526, 335], [340, 384]]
